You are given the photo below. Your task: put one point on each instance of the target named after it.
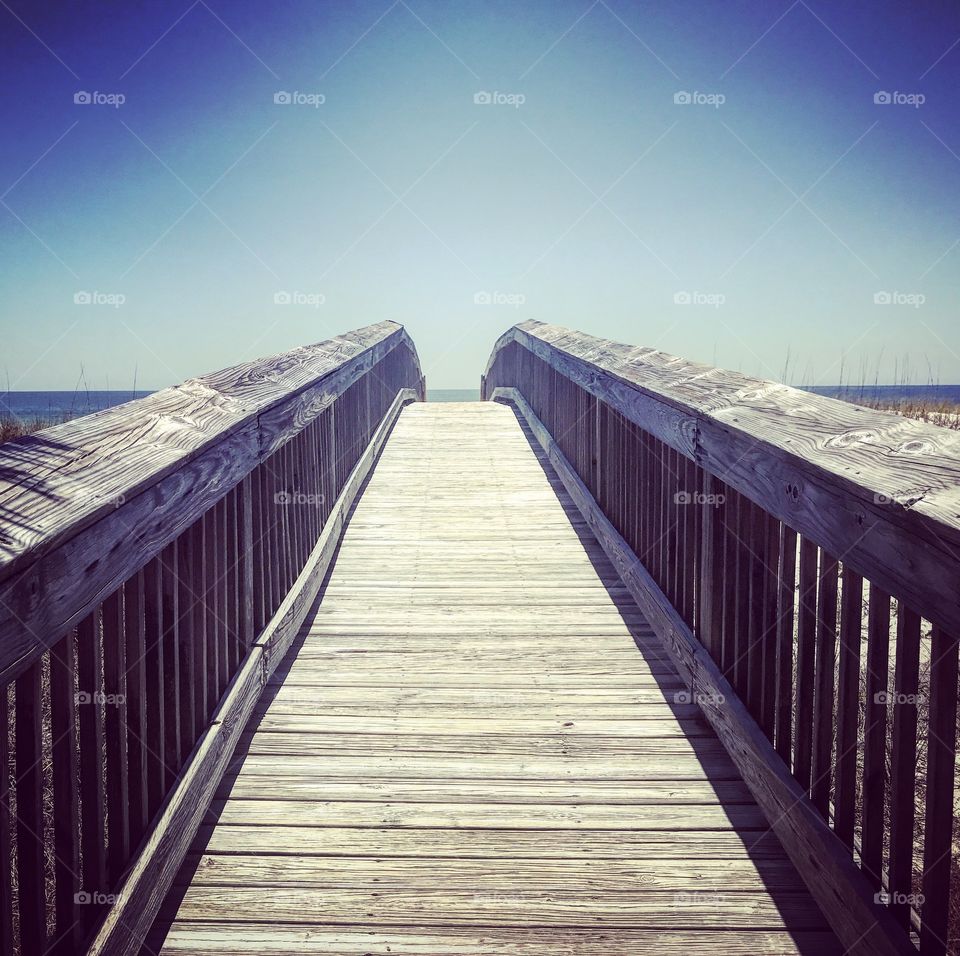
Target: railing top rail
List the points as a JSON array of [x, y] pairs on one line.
[[875, 489]]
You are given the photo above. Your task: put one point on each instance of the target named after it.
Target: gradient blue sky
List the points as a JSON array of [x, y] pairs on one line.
[[596, 204]]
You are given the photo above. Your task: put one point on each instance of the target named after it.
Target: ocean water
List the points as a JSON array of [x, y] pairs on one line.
[[889, 393], [56, 406], [453, 394]]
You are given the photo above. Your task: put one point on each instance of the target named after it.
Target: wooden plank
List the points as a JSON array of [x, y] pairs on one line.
[[273, 939], [93, 797], [903, 762], [115, 736], [66, 792], [873, 827], [786, 598], [476, 816], [576, 845], [7, 940], [305, 786], [821, 771], [446, 907], [135, 633], [154, 743], [848, 706], [806, 661], [821, 859], [938, 819], [29, 791]]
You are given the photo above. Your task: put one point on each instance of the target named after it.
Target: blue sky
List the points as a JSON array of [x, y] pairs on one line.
[[781, 211]]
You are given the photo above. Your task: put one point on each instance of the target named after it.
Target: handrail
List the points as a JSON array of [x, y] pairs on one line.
[[809, 597], [163, 556]]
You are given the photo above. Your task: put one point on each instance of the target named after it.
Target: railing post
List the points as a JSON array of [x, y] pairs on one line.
[[711, 542], [246, 545]]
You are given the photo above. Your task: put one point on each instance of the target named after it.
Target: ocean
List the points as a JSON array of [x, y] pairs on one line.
[[56, 406], [889, 393]]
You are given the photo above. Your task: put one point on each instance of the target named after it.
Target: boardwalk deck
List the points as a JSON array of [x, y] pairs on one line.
[[478, 746]]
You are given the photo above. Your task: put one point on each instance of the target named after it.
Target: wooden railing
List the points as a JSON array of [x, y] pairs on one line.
[[156, 560], [800, 557]]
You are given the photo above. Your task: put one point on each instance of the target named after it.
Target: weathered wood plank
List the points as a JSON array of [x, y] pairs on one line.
[[273, 939]]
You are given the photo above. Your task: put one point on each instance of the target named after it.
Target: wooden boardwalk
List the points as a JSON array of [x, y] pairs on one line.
[[478, 746]]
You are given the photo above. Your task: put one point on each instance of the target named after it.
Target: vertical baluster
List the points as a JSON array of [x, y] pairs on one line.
[[115, 730], [875, 735], [29, 778], [200, 624], [711, 570], [685, 519], [187, 593], [728, 581], [282, 463], [210, 602], [274, 519], [742, 627], [938, 822], [135, 633], [756, 625], [659, 512], [6, 843], [254, 553], [66, 791], [170, 590], [155, 740], [6, 849], [786, 580], [806, 662], [823, 697], [848, 705], [771, 593], [903, 763], [223, 597], [92, 794]]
